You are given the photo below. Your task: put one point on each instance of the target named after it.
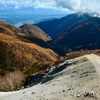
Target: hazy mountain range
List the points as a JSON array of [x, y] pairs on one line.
[[29, 15], [57, 26], [76, 31]]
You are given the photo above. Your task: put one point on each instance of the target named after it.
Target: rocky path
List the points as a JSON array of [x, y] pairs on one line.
[[96, 61], [78, 79]]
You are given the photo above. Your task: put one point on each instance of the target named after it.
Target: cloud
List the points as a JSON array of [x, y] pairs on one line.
[[73, 5], [80, 5], [45, 4]]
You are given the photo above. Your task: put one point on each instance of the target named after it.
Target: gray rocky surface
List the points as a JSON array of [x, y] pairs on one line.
[[78, 80]]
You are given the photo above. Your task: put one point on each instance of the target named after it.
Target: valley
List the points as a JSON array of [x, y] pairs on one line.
[[49, 52]]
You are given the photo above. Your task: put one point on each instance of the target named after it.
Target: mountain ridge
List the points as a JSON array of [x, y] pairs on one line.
[[57, 26], [82, 35], [36, 31]]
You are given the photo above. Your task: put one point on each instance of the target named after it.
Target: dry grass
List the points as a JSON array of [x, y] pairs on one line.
[[16, 54], [81, 53], [20, 54], [11, 81], [34, 31], [10, 27], [6, 31]]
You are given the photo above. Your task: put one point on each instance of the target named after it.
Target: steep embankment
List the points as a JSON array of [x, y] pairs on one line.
[[79, 80], [19, 59]]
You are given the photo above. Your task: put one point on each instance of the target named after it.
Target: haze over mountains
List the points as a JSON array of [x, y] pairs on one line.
[[29, 15]]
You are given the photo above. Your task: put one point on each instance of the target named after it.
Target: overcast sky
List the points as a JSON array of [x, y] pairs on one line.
[[74, 5]]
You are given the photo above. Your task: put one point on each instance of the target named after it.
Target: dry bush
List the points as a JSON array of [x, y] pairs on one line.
[[76, 54], [12, 81], [58, 61], [21, 54], [19, 58], [81, 53], [44, 66]]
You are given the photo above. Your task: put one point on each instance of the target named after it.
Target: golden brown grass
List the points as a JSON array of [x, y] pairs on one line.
[[34, 31], [21, 54], [10, 27], [81, 53], [5, 30]]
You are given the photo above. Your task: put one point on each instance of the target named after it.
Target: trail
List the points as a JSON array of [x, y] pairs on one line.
[[80, 80], [96, 61]]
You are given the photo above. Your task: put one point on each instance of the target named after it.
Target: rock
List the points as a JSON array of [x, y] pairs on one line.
[[63, 90], [46, 79], [33, 93], [34, 79]]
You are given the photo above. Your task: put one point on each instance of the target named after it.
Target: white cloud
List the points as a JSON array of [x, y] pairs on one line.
[[75, 5], [72, 4], [80, 5], [45, 4]]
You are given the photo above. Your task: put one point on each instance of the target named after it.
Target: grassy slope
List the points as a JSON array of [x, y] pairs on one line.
[[18, 56]]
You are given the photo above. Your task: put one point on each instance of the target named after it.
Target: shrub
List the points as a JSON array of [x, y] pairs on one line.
[[11, 69], [2, 73], [60, 60]]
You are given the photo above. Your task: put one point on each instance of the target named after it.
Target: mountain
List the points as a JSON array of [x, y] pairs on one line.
[[34, 31], [75, 79], [60, 50], [28, 29], [57, 26], [19, 58], [35, 35], [82, 35], [11, 27]]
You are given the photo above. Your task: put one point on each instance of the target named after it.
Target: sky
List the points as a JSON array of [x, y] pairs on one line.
[[64, 5]]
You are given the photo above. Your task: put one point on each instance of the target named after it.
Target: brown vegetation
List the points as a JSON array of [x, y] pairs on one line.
[[16, 53], [19, 59], [12, 81], [28, 30], [81, 53], [34, 31]]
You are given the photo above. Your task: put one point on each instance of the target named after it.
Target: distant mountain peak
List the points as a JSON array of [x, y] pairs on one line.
[[33, 30], [81, 35], [55, 27], [88, 12]]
